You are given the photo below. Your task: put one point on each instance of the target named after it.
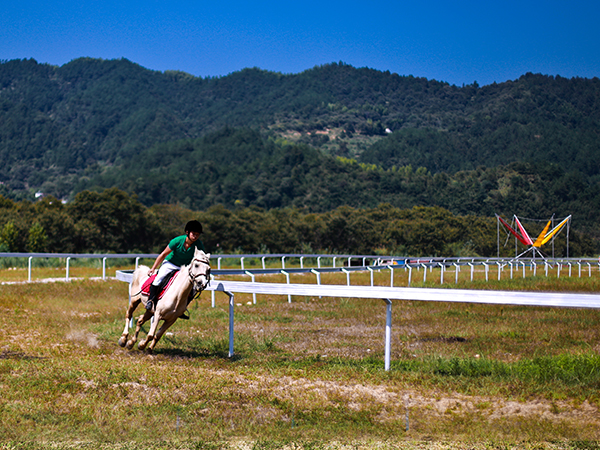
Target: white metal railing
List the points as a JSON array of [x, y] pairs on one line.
[[387, 294], [69, 256], [351, 262]]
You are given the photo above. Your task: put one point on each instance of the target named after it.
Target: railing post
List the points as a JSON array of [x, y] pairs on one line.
[[251, 275], [302, 262], [263, 262], [409, 275], [472, 268], [456, 270], [29, 269], [318, 274], [68, 260], [371, 270], [230, 323], [242, 262], [388, 333], [347, 276], [283, 262], [319, 262], [441, 273], [424, 273], [391, 276], [334, 261], [212, 293], [287, 277], [104, 268]]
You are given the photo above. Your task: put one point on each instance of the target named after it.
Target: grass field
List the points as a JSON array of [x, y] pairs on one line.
[[307, 374]]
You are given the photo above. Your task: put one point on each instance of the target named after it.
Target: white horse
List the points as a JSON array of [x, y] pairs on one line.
[[172, 304]]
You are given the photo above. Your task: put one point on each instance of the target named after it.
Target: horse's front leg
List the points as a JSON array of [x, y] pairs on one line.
[[165, 326], [151, 332], [141, 321], [128, 315]]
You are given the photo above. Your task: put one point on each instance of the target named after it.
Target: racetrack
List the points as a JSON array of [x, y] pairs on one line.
[[308, 372]]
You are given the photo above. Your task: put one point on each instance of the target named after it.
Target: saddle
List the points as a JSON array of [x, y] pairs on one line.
[[164, 285]]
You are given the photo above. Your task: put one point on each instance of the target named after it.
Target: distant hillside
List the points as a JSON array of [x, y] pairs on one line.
[[330, 136]]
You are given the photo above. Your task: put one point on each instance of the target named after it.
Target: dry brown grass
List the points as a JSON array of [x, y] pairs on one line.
[[307, 374]]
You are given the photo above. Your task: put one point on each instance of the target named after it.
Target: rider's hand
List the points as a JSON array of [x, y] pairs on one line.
[[151, 272]]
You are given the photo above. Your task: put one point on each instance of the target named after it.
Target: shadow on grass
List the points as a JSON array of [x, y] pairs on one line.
[[204, 353]]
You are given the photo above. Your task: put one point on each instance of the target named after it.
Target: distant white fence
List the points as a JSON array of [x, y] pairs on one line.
[[69, 256], [347, 263]]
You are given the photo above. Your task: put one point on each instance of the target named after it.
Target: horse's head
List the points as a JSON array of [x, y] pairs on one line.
[[199, 270]]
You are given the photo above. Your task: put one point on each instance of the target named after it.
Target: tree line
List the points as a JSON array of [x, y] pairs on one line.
[[273, 145], [116, 222]]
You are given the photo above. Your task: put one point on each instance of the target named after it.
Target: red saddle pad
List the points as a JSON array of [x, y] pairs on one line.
[[148, 282]]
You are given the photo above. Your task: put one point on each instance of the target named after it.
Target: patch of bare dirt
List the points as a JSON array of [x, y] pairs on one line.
[[395, 402]]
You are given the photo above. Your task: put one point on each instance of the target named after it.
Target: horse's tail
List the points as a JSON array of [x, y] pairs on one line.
[[139, 276]]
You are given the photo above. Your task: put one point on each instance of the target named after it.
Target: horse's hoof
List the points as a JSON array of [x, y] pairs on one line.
[[123, 341], [130, 344], [141, 346], [149, 351]]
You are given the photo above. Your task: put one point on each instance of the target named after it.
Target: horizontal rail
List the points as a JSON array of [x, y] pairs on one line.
[[348, 263], [78, 255], [546, 299]]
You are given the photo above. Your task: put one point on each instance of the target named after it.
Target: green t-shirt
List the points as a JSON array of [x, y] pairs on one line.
[[180, 256]]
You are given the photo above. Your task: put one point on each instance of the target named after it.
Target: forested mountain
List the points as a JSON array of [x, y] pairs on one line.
[[330, 136]]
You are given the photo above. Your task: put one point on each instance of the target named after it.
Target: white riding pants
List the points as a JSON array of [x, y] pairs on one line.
[[165, 269]]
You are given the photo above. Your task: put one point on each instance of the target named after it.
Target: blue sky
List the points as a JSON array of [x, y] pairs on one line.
[[454, 41]]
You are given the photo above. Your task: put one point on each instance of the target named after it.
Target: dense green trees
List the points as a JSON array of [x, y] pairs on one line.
[[306, 154], [94, 222], [113, 221]]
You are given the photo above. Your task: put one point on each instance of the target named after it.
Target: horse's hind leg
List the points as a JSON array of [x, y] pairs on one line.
[[141, 321], [151, 333], [128, 316]]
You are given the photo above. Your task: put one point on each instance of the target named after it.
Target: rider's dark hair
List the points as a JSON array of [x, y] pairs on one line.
[[193, 225]]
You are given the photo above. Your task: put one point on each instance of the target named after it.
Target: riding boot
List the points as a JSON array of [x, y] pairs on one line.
[[185, 315], [152, 297]]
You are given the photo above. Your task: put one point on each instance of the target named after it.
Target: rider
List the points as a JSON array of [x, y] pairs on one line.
[[179, 252]]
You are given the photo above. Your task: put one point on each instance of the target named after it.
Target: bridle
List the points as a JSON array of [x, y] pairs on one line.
[[194, 277]]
